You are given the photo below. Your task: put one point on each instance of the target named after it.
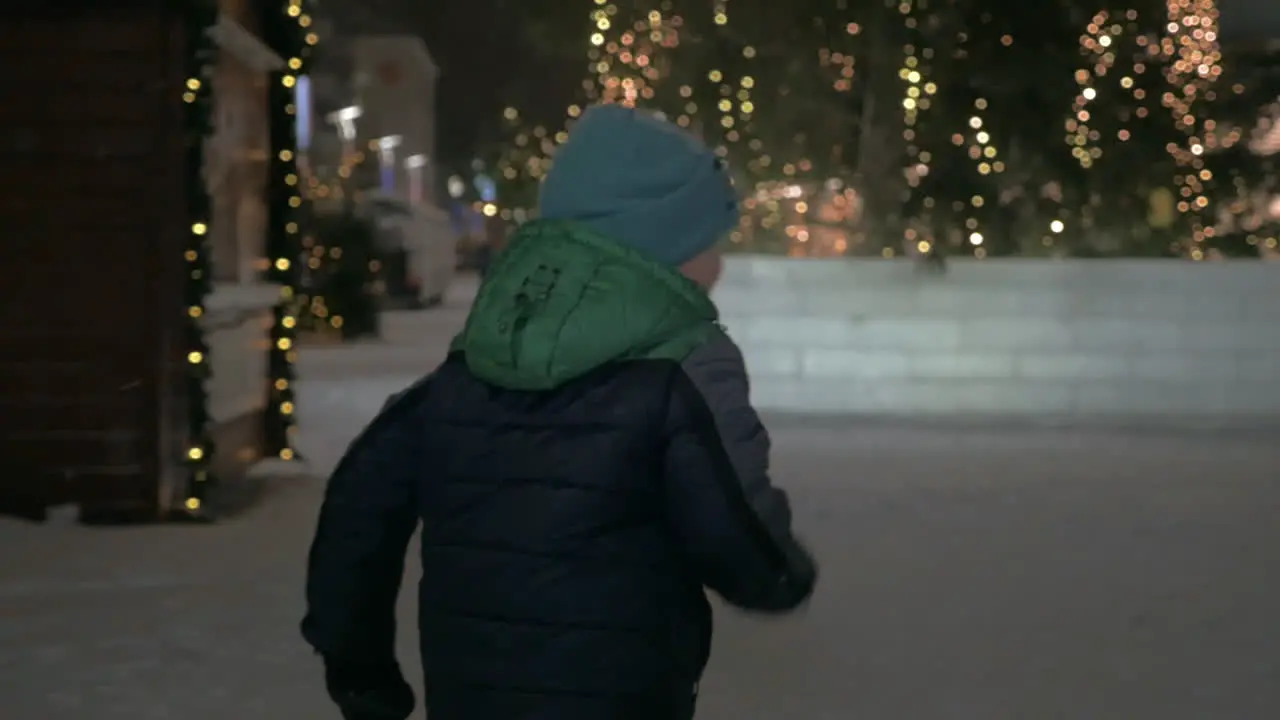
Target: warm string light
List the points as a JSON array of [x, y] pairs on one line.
[[525, 160], [287, 215], [333, 190], [626, 63], [197, 96], [1113, 123], [822, 208], [730, 90], [1193, 64], [776, 212], [632, 60], [984, 153], [941, 210], [802, 186], [318, 311], [842, 64], [1173, 57], [624, 66], [1099, 44], [917, 98], [800, 204]]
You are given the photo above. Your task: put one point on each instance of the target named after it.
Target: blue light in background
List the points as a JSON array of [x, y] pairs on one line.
[[302, 99], [487, 188]]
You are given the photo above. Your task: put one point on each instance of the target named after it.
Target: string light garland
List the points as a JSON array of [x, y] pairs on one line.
[[1099, 44], [803, 159], [952, 160], [917, 99], [290, 32], [1193, 64], [983, 152], [1148, 90], [625, 65], [637, 56], [1120, 142], [197, 97], [626, 56]]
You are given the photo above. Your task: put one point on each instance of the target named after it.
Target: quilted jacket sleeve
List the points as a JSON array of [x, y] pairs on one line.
[[357, 559], [734, 523]]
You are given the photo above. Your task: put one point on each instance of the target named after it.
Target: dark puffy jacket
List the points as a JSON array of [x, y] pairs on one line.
[[572, 511]]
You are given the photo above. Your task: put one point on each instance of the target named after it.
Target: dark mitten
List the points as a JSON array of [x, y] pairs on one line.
[[370, 693]]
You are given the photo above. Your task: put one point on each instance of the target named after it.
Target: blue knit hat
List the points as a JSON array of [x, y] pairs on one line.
[[643, 182]]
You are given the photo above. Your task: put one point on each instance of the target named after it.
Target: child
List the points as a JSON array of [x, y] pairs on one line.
[[583, 464]]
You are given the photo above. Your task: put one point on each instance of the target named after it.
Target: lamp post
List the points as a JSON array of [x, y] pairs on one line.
[[345, 121]]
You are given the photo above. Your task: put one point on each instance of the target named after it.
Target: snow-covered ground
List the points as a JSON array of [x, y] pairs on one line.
[[968, 573]]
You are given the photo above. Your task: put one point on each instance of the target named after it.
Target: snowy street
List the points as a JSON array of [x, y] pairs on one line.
[[972, 574]]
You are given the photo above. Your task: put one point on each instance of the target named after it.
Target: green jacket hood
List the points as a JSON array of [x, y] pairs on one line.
[[562, 300]]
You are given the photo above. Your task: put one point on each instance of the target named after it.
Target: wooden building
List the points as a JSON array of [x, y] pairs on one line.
[[92, 361]]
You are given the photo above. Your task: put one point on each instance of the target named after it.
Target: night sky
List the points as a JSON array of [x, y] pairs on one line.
[[490, 56], [1251, 19]]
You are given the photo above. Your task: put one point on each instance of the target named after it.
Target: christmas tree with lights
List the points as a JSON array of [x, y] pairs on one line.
[[1239, 171], [1123, 139], [1141, 127]]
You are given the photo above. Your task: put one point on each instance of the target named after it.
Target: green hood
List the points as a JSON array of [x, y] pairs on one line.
[[563, 300]]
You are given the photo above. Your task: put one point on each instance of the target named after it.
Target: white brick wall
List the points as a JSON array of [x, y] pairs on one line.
[[1086, 338]]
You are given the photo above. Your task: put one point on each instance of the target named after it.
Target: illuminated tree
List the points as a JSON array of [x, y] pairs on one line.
[[1123, 141], [771, 94], [1241, 158], [930, 126], [628, 62], [804, 148], [1162, 136], [951, 156], [1017, 62], [1193, 66]]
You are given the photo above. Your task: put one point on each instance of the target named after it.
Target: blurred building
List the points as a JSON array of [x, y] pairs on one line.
[[385, 81], [369, 115], [238, 151], [93, 355]]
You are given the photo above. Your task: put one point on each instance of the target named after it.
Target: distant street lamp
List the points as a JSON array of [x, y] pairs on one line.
[[345, 121]]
